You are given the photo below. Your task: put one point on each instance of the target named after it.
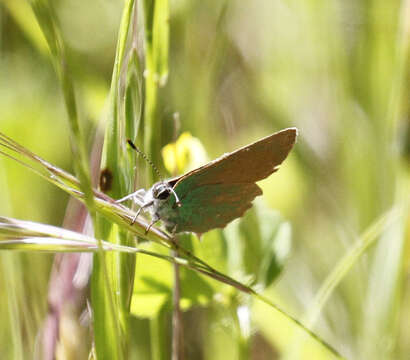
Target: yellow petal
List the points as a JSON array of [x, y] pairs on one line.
[[185, 154]]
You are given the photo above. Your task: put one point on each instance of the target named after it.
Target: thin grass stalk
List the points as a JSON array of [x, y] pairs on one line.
[[9, 277], [151, 126], [123, 216], [87, 244], [177, 351], [156, 24], [157, 337], [122, 266], [177, 326], [155, 14], [387, 95], [47, 21], [364, 242], [80, 157], [23, 233]]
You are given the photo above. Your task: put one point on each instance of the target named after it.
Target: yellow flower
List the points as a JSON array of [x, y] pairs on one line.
[[185, 154]]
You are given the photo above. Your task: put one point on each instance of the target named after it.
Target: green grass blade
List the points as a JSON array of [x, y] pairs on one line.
[[47, 21], [160, 41], [30, 236], [9, 279], [366, 240], [122, 216], [156, 14]]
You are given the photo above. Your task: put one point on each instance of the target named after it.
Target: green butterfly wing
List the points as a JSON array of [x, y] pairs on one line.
[[211, 206], [213, 195]]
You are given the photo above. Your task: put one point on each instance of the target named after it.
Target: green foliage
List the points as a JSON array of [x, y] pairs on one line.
[[234, 72], [259, 244]]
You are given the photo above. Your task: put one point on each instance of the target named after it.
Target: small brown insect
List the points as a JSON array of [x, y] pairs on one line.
[[106, 180]]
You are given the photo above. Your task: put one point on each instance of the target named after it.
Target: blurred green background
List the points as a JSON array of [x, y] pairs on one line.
[[238, 71]]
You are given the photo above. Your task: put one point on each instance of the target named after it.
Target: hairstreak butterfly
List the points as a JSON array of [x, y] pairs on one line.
[[218, 192]]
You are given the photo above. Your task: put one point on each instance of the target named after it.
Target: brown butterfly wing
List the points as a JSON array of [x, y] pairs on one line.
[[214, 194], [250, 163], [212, 206]]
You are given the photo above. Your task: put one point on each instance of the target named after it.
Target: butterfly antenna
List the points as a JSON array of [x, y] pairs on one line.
[[176, 197], [145, 157]]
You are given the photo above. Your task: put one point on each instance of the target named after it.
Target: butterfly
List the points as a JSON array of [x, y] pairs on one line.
[[218, 192]]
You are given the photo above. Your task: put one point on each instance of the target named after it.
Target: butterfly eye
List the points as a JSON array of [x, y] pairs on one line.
[[163, 195]]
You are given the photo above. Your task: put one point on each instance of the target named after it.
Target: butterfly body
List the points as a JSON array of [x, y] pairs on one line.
[[213, 195], [158, 203]]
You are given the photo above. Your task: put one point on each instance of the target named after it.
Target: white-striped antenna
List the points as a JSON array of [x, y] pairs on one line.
[[145, 157]]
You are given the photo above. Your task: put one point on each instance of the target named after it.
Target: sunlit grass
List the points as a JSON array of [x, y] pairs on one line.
[[234, 71]]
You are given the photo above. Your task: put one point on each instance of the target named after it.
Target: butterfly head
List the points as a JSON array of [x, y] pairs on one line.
[[162, 191]]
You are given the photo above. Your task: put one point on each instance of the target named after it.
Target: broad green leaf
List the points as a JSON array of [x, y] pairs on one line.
[[148, 305], [154, 286], [258, 244], [161, 40]]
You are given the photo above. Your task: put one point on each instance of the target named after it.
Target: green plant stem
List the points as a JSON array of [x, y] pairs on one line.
[[156, 14], [46, 19], [122, 216], [177, 326], [9, 277], [121, 265], [367, 239]]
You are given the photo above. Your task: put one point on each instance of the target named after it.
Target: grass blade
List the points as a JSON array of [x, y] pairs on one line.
[[122, 216]]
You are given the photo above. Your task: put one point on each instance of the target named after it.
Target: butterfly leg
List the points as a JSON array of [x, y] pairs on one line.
[[148, 204], [174, 230], [137, 193], [152, 223]]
